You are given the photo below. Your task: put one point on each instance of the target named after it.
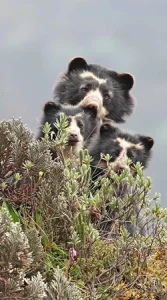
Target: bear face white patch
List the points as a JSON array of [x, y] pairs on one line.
[[121, 161], [74, 132], [87, 74], [126, 144], [75, 138], [94, 96]]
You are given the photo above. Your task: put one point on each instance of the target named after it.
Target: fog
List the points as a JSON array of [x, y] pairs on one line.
[[38, 38]]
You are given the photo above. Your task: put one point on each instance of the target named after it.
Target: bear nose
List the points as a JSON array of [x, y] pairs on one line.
[[120, 169], [73, 136]]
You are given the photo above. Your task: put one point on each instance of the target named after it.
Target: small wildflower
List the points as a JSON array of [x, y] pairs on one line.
[[73, 253]]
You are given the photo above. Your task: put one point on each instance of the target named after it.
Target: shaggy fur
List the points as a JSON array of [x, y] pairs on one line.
[[120, 146], [85, 82], [82, 123]]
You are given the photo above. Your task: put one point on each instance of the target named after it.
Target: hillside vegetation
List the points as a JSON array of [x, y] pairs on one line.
[[62, 238]]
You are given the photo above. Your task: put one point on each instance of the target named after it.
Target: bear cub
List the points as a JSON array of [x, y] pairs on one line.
[[82, 124], [120, 146], [83, 83]]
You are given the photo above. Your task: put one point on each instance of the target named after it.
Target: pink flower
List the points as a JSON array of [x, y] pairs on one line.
[[73, 253]]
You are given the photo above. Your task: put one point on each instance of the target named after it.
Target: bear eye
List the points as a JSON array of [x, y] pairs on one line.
[[113, 156], [80, 124], [84, 89], [106, 96]]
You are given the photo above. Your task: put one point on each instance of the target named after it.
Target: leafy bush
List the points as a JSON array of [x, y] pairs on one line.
[[62, 238]]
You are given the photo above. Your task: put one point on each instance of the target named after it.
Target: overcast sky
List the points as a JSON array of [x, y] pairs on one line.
[[38, 38]]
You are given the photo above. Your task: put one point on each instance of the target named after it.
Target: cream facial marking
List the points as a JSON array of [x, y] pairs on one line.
[[125, 144], [120, 162], [74, 129], [104, 112], [86, 74], [77, 116], [72, 117], [94, 97]]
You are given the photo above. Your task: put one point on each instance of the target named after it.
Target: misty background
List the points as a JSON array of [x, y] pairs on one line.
[[38, 38]]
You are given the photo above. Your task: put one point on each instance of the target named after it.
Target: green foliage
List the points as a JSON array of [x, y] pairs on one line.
[[61, 239], [11, 211]]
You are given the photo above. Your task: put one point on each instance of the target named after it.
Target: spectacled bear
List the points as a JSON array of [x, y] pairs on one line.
[[83, 83], [82, 123], [120, 146]]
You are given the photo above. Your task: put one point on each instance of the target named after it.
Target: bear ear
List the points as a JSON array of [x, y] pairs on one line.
[[50, 107], [126, 79], [147, 142], [77, 63], [91, 108], [107, 127]]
